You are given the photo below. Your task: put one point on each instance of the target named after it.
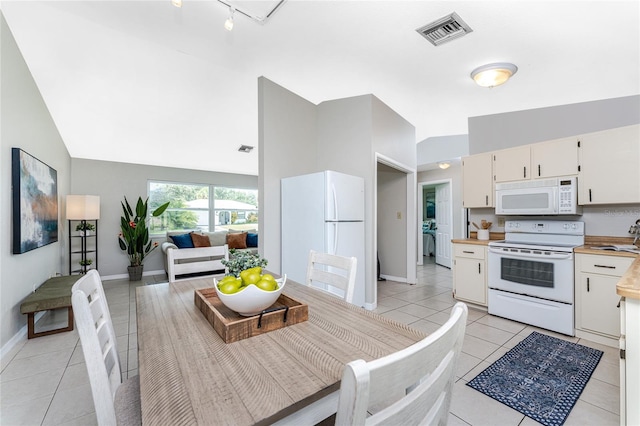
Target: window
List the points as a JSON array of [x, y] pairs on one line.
[[235, 208], [188, 208], [191, 207]]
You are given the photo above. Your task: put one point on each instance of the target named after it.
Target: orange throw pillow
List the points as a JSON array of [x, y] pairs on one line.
[[200, 240], [237, 240]]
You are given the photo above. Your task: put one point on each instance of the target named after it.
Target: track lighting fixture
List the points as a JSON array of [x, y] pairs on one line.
[[228, 24]]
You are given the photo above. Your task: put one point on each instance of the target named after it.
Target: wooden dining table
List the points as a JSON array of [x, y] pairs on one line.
[[189, 375]]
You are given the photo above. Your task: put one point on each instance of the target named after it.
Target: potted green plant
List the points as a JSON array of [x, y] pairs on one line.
[[134, 235], [241, 260], [85, 228]]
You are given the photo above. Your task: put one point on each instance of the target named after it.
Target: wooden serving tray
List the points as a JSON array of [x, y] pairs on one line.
[[233, 327]]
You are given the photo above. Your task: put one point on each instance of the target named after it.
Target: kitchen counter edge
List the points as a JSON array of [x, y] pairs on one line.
[[629, 284], [472, 241]]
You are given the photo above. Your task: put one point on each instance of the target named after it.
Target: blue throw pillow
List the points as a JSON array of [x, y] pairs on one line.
[[252, 240], [182, 240]]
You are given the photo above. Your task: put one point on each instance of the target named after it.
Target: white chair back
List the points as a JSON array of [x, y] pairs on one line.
[[93, 321], [411, 386], [336, 271]]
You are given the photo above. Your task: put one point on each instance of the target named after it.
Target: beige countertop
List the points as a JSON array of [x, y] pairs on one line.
[[589, 250], [629, 284], [472, 241]]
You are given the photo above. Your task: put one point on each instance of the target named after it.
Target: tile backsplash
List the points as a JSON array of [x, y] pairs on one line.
[[605, 220]]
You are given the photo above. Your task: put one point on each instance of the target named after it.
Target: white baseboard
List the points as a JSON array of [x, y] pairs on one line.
[[396, 279], [122, 276], [17, 338]]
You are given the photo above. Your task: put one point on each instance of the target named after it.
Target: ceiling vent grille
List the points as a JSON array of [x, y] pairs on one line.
[[444, 29]]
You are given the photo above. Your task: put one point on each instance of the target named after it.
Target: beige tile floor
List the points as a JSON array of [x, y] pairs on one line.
[[44, 380]]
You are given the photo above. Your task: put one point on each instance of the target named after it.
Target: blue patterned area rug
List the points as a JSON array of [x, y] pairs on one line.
[[542, 377]]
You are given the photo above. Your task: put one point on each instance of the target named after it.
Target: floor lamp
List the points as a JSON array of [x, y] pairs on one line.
[[83, 208]]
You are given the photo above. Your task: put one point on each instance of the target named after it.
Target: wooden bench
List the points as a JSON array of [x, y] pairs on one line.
[[54, 293]]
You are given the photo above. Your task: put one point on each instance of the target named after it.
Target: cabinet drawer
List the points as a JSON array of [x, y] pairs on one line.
[[604, 265], [469, 250]]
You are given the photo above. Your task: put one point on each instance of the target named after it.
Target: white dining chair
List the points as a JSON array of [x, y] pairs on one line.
[[408, 387], [115, 401], [336, 271]]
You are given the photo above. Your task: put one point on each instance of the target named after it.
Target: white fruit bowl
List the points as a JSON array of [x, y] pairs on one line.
[[251, 300]]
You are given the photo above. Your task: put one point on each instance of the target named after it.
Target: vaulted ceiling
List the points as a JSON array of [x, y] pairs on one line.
[[146, 82]]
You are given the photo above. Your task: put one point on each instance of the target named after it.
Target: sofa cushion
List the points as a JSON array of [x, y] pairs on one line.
[[182, 240], [237, 240], [217, 238], [200, 240], [252, 239]]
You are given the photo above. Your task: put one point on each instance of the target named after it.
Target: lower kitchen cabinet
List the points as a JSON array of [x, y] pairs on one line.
[[597, 303], [470, 273]]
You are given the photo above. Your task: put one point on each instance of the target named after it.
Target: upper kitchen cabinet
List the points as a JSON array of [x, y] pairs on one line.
[[512, 164], [554, 158], [477, 181], [609, 172]]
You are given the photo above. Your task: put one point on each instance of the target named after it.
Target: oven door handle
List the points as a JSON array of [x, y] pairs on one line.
[[531, 255]]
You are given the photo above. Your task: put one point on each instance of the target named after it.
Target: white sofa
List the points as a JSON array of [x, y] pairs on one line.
[[181, 263]]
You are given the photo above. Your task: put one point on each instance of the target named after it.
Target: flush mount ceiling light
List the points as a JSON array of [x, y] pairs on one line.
[[492, 75], [444, 165], [228, 24], [176, 3], [245, 148]]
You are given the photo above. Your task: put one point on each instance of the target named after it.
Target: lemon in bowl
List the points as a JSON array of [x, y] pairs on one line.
[[251, 299]]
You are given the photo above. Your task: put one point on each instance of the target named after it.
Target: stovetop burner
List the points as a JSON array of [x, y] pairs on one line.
[[535, 247], [542, 235]]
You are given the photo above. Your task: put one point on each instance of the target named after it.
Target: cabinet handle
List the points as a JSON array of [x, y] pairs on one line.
[[486, 200], [468, 252], [587, 284], [604, 266], [479, 271], [525, 171], [538, 169], [589, 194]]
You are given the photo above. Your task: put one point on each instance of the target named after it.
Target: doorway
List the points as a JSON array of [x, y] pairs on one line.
[[435, 221], [395, 218]]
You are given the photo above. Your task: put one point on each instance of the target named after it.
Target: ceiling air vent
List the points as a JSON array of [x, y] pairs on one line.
[[444, 29]]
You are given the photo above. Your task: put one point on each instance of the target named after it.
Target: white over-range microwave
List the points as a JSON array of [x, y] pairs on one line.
[[553, 196]]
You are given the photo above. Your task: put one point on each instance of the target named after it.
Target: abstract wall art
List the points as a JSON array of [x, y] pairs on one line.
[[35, 202]]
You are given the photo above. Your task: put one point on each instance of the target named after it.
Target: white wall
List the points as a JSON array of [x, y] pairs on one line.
[[297, 137], [287, 138], [26, 124], [442, 148], [498, 131]]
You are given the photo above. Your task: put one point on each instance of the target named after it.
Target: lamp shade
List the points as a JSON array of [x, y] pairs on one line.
[[83, 207]]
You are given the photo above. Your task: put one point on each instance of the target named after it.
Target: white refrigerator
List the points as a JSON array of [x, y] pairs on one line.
[[324, 212]]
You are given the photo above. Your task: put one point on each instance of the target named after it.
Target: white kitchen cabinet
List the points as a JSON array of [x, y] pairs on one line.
[[554, 158], [470, 273], [512, 164], [597, 312], [558, 157], [609, 172], [477, 181]]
